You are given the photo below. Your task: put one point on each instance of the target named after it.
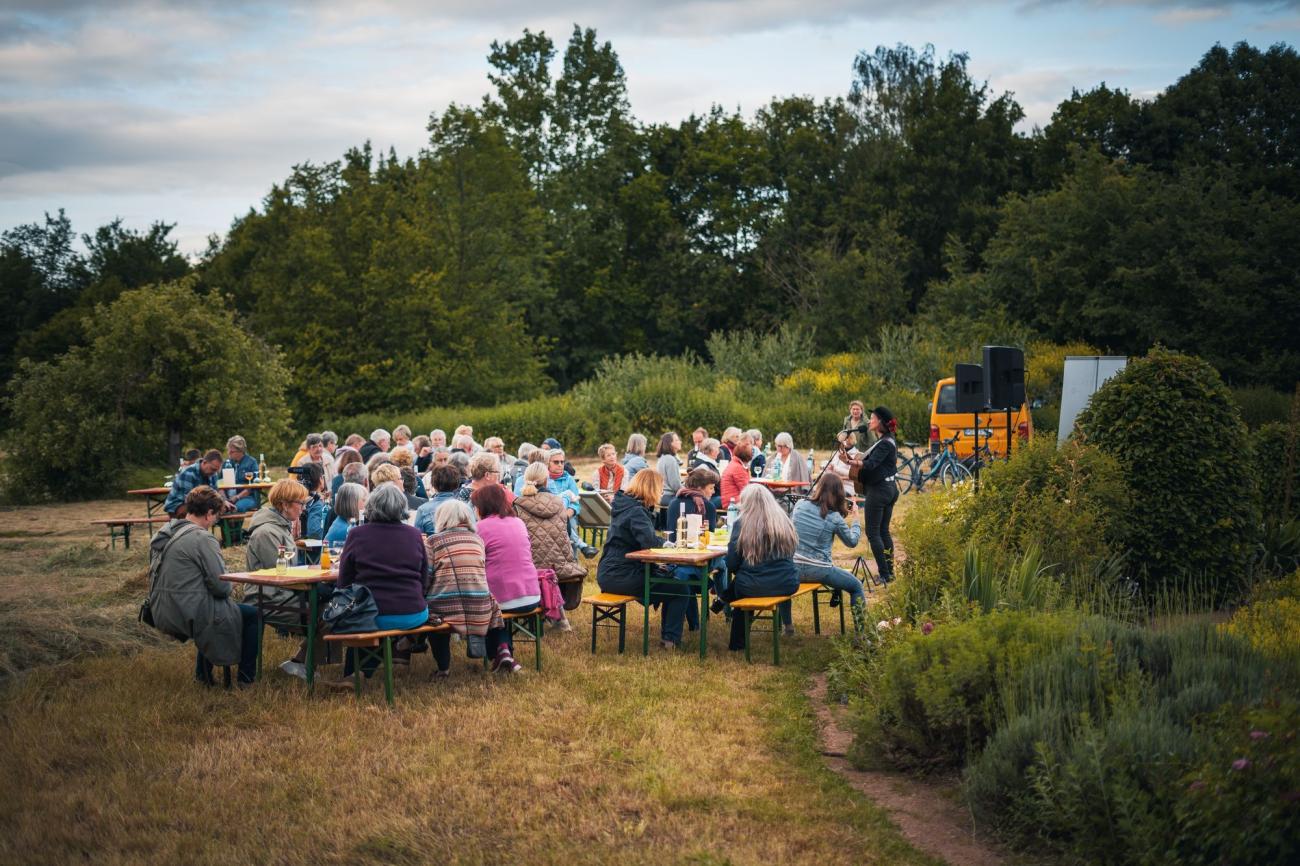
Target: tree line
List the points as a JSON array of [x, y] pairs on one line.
[[546, 229]]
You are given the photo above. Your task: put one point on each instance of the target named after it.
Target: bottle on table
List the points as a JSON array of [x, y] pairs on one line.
[[682, 540], [733, 514], [324, 557], [810, 462], [282, 560], [261, 467]]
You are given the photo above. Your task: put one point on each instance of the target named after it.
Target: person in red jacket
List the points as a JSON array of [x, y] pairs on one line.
[[736, 475]]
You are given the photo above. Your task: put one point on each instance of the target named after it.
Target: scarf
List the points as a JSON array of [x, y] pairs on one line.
[[610, 479], [697, 496], [555, 473]]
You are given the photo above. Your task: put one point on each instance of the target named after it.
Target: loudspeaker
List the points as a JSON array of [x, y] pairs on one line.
[[970, 388], [1004, 377]]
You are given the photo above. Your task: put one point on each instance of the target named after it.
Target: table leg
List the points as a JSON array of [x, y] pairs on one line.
[[645, 608], [704, 610], [261, 629], [388, 669], [313, 602]]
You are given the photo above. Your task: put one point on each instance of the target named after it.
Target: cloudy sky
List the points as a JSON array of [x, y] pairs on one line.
[[188, 112]]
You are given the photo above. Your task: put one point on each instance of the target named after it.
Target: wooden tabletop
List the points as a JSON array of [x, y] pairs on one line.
[[257, 485], [150, 491], [675, 556], [778, 485], [298, 575]]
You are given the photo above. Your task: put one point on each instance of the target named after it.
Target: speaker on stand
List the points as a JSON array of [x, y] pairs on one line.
[[1004, 381], [971, 400]]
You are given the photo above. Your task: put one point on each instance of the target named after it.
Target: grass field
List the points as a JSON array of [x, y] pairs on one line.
[[111, 753]]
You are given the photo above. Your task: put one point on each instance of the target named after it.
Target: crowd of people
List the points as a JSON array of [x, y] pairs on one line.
[[466, 531]]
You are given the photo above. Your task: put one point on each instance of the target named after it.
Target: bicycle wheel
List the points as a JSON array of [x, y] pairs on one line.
[[953, 473], [906, 472]]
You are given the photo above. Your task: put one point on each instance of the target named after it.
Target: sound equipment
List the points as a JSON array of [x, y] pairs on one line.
[[970, 389], [1004, 377]]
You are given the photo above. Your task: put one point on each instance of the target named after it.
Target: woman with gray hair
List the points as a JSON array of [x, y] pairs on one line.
[[457, 588], [787, 465], [760, 555], [388, 557], [349, 504], [634, 457]]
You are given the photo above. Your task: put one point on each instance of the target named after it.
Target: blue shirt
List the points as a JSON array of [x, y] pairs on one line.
[[565, 487], [245, 465], [186, 481], [338, 531], [425, 514]]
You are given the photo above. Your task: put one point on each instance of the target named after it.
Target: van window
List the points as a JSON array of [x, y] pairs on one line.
[[947, 400]]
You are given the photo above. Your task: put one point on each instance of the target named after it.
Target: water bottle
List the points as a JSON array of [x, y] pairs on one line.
[[733, 514], [282, 561], [810, 462]]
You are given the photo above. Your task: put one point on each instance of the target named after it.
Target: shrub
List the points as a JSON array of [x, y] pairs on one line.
[[1100, 726], [760, 359], [1271, 622], [1169, 421], [1260, 406], [934, 532], [1239, 804], [1269, 463], [936, 696]]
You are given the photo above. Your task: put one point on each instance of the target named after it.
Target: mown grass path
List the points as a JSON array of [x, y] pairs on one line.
[[118, 757]]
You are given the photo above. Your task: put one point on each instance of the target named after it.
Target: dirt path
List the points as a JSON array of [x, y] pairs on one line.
[[928, 813]]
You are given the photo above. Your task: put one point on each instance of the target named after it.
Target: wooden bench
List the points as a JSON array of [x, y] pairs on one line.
[[122, 526], [379, 645], [609, 606], [228, 527], [764, 607]]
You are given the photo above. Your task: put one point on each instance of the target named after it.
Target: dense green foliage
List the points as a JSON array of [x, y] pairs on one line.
[[164, 366], [546, 230], [1172, 425]]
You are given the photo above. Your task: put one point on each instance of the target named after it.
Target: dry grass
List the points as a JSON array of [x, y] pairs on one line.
[[120, 758]]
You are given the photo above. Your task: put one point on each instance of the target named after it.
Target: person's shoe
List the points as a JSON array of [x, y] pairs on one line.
[[294, 669], [505, 662], [787, 630], [589, 551], [562, 625], [667, 645], [343, 685], [718, 605], [439, 676], [401, 657], [835, 598]]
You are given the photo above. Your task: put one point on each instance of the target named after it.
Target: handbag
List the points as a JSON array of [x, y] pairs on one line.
[[552, 599], [351, 609], [146, 607]]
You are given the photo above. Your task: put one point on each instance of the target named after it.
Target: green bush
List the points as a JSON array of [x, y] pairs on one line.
[[1169, 420], [1260, 406], [1099, 731], [760, 359], [1239, 803], [934, 532], [936, 697], [1268, 464]]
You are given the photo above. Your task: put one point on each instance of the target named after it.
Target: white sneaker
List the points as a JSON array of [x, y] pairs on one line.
[[294, 669], [562, 625]]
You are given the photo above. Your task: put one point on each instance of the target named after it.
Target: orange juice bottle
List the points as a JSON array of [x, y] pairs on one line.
[[324, 558]]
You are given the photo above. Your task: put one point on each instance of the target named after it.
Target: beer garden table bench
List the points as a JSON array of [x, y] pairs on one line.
[[764, 607], [379, 645]]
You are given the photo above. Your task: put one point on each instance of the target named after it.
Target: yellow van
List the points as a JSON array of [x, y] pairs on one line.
[[946, 421]]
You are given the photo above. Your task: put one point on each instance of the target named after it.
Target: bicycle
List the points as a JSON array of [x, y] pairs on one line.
[[912, 472]]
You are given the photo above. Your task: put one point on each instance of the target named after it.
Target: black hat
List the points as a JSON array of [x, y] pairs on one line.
[[883, 414]]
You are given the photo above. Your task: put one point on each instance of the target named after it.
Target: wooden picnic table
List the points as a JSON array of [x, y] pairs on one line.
[[156, 497], [302, 578], [698, 557]]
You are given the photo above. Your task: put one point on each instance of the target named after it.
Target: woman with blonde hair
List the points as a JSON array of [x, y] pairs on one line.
[[632, 528], [760, 555]]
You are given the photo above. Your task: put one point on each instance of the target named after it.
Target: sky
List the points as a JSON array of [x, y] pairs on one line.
[[189, 112]]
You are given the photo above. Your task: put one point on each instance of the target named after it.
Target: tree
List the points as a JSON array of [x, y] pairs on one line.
[[166, 366], [40, 275]]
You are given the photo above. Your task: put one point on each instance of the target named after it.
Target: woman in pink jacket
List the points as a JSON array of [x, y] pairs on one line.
[[508, 561]]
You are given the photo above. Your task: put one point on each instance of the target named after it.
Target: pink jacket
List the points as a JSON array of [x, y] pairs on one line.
[[508, 559]]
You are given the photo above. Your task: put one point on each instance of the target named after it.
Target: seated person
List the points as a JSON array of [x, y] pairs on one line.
[[274, 527], [201, 474], [758, 465], [457, 589], [818, 521], [388, 557], [189, 458], [508, 564], [409, 485], [402, 459], [349, 504], [316, 453], [563, 484], [760, 555], [694, 497], [736, 476], [188, 598], [610, 474], [631, 528], [446, 484], [543, 513], [634, 455]]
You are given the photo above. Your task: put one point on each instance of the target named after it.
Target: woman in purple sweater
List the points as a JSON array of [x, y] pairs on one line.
[[508, 560], [387, 556]]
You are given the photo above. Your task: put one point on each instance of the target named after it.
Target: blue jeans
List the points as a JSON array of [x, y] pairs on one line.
[[720, 582], [248, 503], [827, 575], [505, 635], [247, 649]]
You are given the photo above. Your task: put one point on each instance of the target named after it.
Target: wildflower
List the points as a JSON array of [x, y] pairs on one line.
[[898, 620], [1196, 786], [927, 627], [1258, 735], [883, 625], [1241, 763]]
